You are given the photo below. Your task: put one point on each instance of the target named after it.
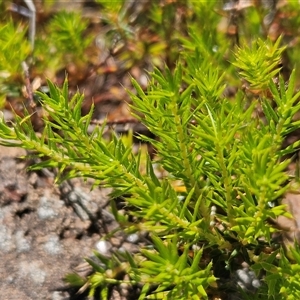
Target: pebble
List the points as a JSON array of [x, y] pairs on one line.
[[22, 244], [57, 296], [45, 211], [247, 279], [52, 246], [103, 247], [6, 239], [33, 270], [132, 238], [243, 275], [256, 283]]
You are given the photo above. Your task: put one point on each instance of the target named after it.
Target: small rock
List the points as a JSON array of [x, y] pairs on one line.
[[33, 270], [129, 247], [45, 211], [11, 151], [103, 247], [243, 275], [132, 238], [247, 279], [53, 246], [57, 296], [256, 283], [6, 239], [22, 244]]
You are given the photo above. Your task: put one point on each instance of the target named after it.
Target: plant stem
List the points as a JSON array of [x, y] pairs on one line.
[[182, 139]]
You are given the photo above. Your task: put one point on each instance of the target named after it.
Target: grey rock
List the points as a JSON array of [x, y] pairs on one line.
[[132, 238], [103, 247], [6, 239], [33, 270], [45, 210], [53, 246], [23, 245]]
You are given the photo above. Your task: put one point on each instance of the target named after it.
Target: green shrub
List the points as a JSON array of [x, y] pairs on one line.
[[225, 149], [227, 153], [65, 41], [14, 49]]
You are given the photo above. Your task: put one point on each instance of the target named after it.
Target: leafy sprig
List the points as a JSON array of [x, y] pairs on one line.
[[229, 159]]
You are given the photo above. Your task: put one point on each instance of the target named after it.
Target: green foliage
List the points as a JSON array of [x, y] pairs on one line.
[[111, 7], [175, 276], [282, 277], [227, 152], [64, 40], [226, 156], [259, 63], [66, 32], [14, 50]]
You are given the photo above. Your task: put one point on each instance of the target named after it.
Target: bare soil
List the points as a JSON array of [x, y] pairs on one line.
[[46, 230]]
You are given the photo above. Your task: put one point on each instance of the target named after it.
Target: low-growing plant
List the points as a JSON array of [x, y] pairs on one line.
[[65, 40], [14, 50], [228, 155]]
